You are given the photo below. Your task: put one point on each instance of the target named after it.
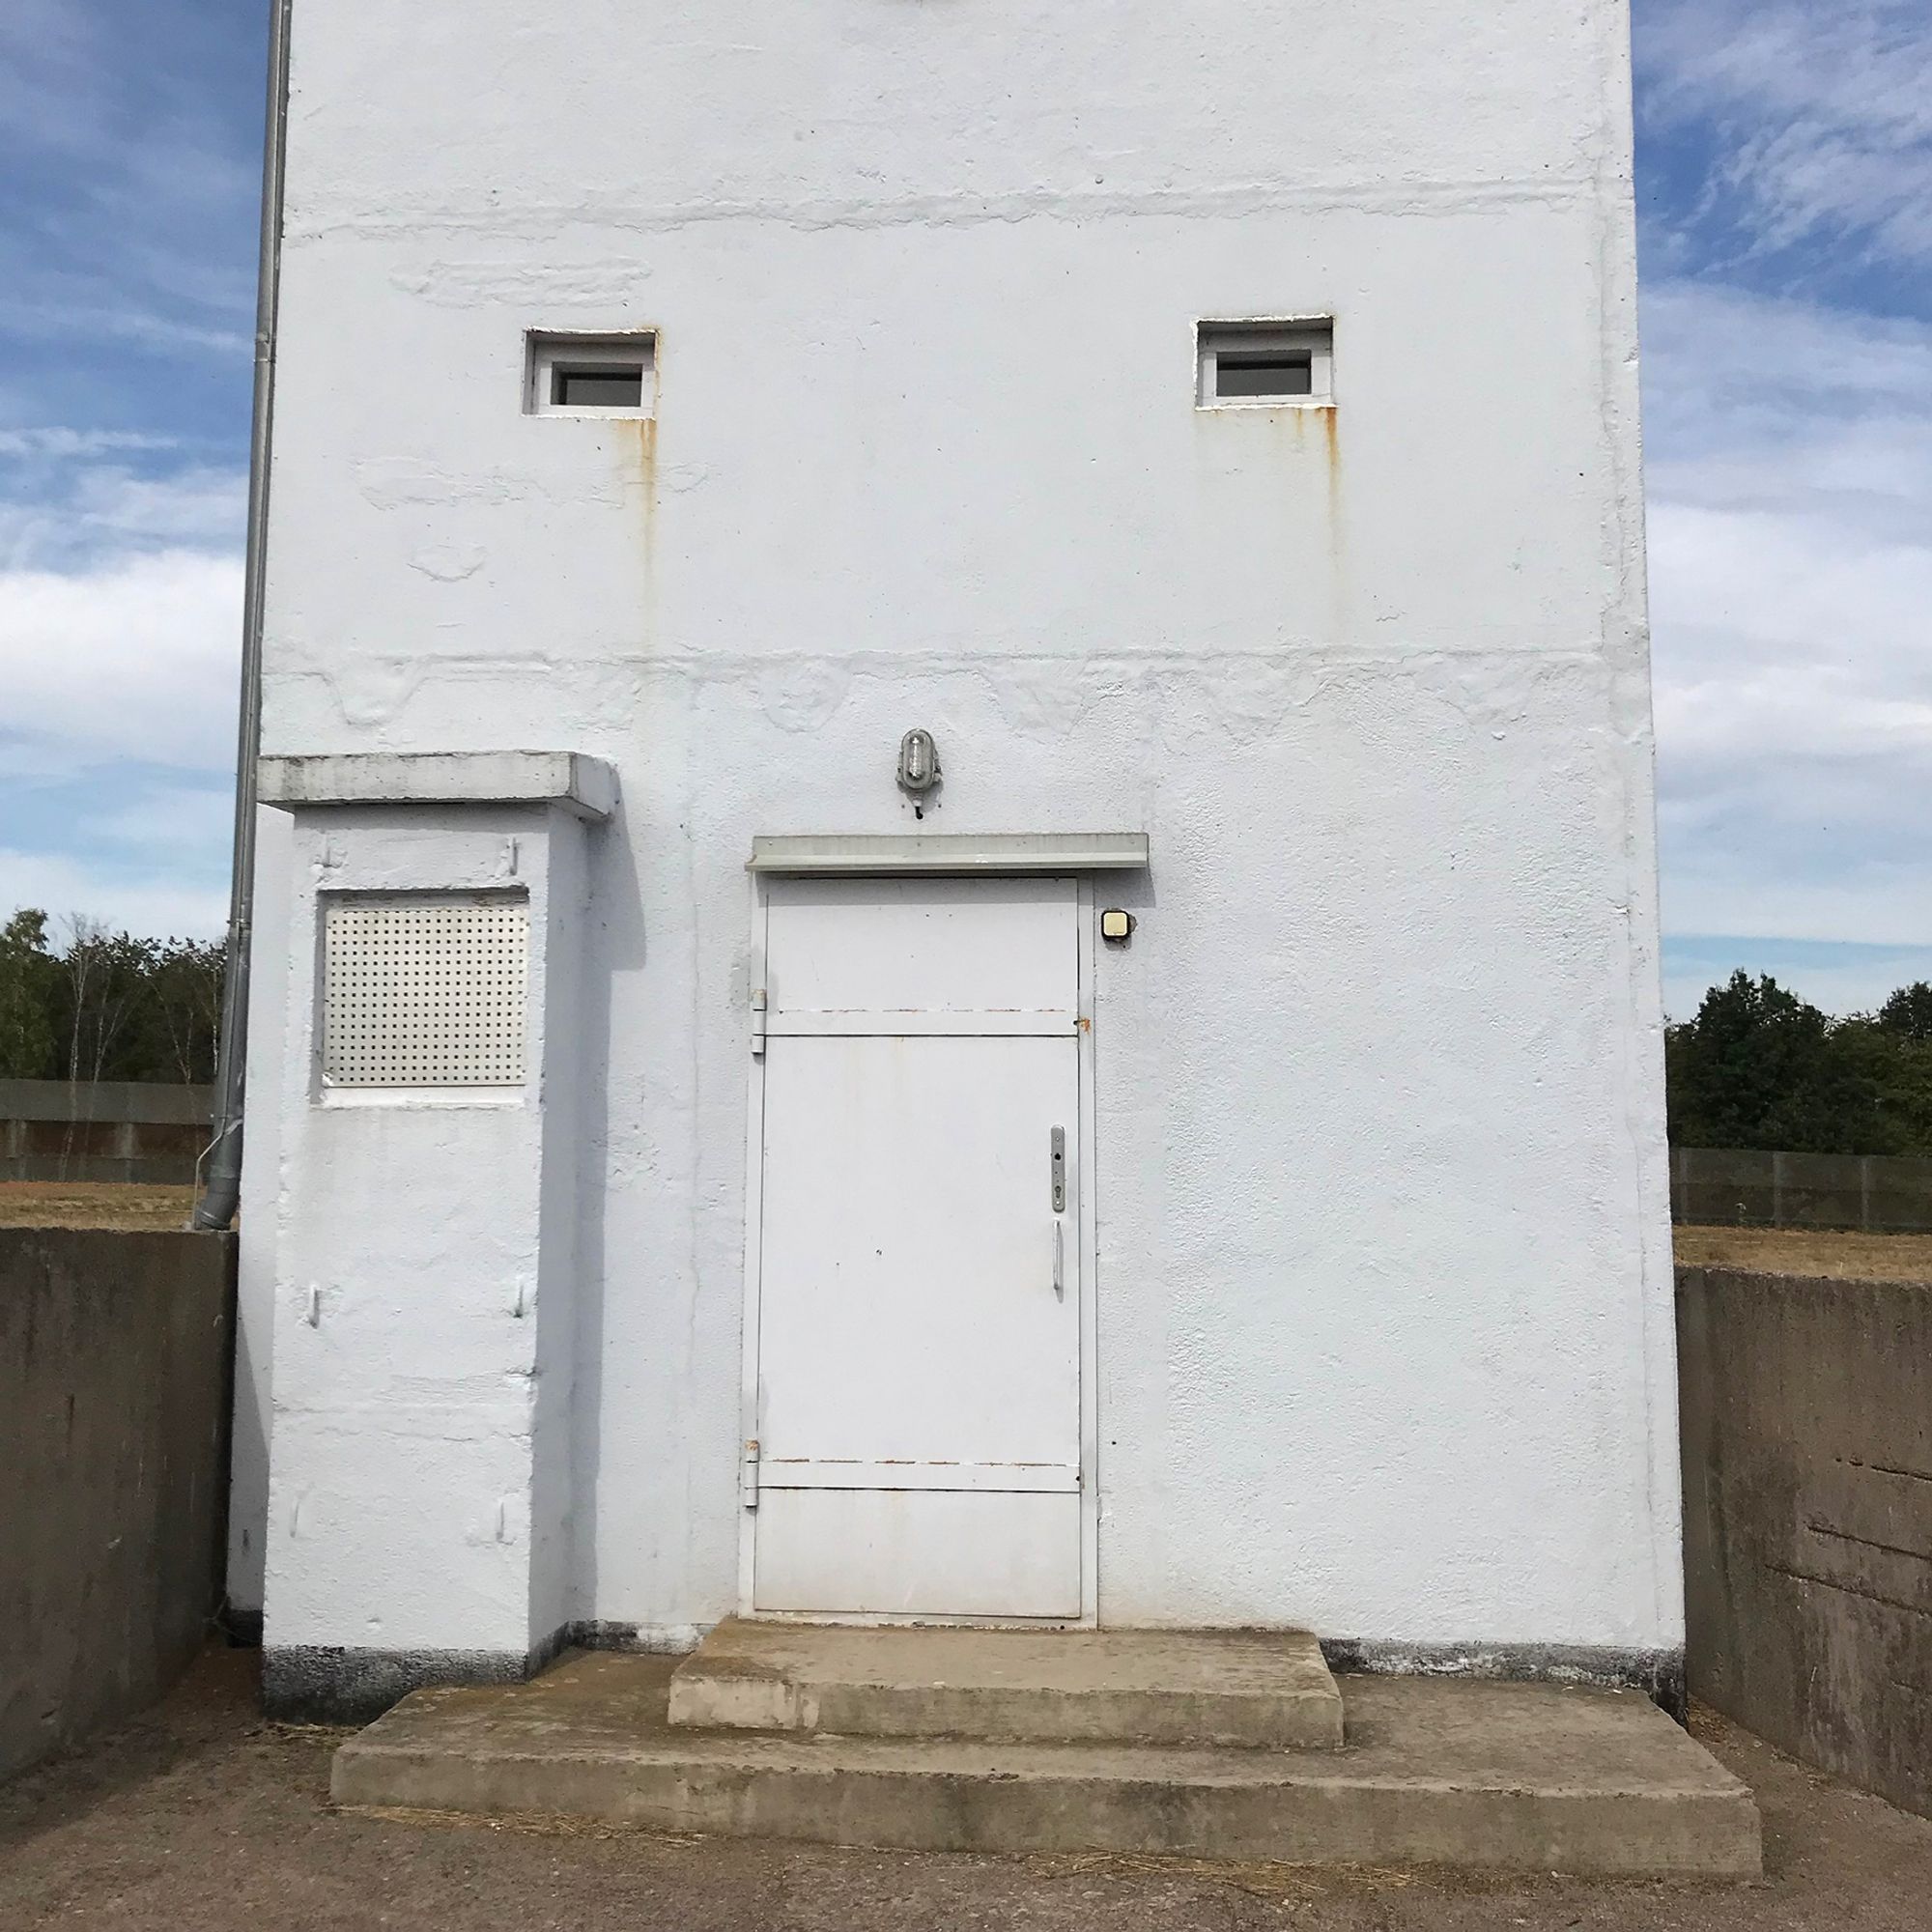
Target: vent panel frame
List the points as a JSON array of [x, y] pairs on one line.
[[424, 991]]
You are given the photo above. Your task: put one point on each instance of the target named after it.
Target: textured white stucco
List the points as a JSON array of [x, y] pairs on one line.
[[1383, 1287], [420, 1483]]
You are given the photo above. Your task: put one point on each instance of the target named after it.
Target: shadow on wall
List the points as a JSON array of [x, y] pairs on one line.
[[116, 1359]]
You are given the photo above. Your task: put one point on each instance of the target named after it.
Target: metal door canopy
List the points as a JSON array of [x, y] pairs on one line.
[[852, 854]]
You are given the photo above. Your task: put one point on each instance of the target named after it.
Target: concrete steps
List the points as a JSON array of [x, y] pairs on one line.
[[1489, 1776], [1236, 1689]]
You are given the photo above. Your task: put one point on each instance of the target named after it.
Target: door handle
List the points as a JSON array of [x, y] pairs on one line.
[[1060, 1260]]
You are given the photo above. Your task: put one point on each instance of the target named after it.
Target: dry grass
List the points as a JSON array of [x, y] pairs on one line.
[[1284, 1885], [1803, 1251], [105, 1204]]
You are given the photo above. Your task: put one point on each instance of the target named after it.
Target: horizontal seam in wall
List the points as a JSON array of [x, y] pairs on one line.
[[536, 218], [1869, 1542], [1850, 1590]]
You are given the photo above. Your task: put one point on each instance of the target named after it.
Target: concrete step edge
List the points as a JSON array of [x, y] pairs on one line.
[[704, 1699], [1081, 1686], [1065, 1799]]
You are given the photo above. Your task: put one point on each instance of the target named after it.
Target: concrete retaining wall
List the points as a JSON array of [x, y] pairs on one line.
[[115, 1353], [1807, 1490], [1745, 1187], [111, 1130]]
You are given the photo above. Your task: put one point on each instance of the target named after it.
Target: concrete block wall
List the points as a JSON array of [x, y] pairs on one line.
[[1807, 1517], [115, 1352], [107, 1131]]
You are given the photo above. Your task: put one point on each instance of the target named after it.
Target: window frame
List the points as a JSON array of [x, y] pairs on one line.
[[589, 352], [1286, 336]]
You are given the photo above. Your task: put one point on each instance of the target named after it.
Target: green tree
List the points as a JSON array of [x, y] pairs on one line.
[[174, 1032], [1759, 1067], [1908, 1012], [28, 978], [106, 1005], [103, 981], [1892, 1053]]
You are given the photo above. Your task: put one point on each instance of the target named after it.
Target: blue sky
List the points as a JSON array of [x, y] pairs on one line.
[[1785, 196]]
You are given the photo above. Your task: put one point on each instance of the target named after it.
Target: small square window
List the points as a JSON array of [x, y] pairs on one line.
[[1262, 364], [590, 375]]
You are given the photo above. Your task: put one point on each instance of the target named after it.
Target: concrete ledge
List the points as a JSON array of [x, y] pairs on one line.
[[1510, 1777], [857, 854], [587, 786], [1241, 1690], [139, 1102]]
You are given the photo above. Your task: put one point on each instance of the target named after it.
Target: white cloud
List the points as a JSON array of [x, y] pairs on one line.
[[171, 820], [192, 506], [1791, 573], [128, 278], [56, 441], [67, 514], [153, 902], [58, 317], [134, 658], [1823, 112]]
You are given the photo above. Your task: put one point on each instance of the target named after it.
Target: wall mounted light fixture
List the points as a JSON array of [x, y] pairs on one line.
[[918, 767]]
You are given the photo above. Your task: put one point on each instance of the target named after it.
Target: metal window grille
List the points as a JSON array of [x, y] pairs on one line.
[[424, 991]]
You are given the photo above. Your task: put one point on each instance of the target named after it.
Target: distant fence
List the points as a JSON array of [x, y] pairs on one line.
[[115, 1373], [109, 1130], [1739, 1187], [1806, 1414]]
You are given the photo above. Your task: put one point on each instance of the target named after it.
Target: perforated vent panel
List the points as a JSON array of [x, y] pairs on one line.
[[425, 991]]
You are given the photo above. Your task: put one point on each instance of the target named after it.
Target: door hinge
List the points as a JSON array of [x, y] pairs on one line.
[[751, 1475], [759, 1006]]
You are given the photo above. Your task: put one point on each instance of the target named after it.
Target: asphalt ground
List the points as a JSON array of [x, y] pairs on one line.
[[201, 1817]]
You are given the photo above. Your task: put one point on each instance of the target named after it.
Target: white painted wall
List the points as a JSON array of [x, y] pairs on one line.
[[1385, 1333], [420, 1485]]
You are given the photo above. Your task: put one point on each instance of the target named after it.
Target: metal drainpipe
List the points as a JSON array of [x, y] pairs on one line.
[[221, 1161]]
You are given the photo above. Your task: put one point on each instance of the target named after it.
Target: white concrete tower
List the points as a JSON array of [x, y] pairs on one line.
[[1216, 427]]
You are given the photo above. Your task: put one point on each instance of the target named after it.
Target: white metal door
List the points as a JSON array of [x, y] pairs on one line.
[[918, 1260]]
